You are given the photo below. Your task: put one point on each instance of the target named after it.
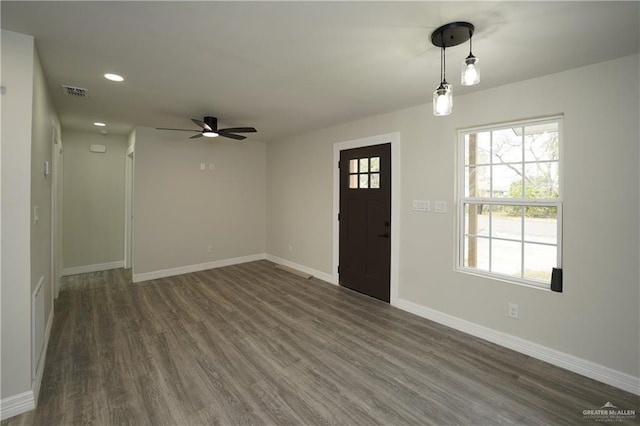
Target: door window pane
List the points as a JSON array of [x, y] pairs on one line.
[[353, 181], [364, 181], [375, 180], [374, 164], [353, 166], [364, 165]]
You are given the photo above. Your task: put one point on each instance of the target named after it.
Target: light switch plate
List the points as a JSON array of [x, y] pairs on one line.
[[440, 207], [422, 205]]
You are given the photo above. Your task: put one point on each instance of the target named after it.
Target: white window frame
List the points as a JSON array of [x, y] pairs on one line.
[[462, 200]]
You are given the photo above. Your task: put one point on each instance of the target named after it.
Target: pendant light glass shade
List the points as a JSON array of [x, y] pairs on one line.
[[470, 71], [443, 99]]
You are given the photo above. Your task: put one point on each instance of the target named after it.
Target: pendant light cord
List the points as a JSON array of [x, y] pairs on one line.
[[442, 66]]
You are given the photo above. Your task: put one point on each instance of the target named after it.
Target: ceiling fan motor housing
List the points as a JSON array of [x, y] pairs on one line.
[[212, 122]]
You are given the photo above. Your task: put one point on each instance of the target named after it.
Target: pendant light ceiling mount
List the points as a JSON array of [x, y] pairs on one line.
[[452, 34]]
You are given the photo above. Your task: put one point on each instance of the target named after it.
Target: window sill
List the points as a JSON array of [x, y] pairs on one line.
[[505, 279]]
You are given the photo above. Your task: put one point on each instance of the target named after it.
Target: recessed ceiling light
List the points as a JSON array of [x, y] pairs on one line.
[[97, 123], [114, 77]]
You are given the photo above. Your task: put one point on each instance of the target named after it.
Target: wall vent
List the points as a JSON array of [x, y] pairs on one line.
[[77, 92]]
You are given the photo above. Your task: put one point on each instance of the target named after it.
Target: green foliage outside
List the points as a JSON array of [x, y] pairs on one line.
[[536, 190]]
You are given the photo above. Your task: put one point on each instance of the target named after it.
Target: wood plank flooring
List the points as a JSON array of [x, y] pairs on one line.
[[251, 344]]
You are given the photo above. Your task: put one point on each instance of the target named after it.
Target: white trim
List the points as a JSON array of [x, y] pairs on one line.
[[93, 268], [163, 273], [394, 139], [128, 207], [462, 200], [40, 371], [17, 404], [560, 359], [331, 279], [56, 146]]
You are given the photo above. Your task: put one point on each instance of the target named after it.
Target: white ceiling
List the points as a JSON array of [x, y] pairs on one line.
[[291, 67]]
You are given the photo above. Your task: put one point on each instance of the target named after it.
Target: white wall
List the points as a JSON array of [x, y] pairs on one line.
[[597, 317], [29, 124], [180, 210], [17, 102], [94, 197], [45, 127]]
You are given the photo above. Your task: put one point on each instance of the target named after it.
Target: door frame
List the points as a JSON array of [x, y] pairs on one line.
[[56, 211], [394, 139], [129, 207]]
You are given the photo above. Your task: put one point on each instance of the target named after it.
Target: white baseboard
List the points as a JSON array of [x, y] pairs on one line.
[[93, 268], [163, 273], [17, 404], [560, 359], [38, 379], [317, 274]]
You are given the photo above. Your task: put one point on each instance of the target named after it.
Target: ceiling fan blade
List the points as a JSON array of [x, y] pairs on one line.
[[231, 135], [202, 124], [178, 130], [239, 130], [199, 135]]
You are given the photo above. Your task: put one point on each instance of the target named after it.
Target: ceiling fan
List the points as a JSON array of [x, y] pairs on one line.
[[209, 128]]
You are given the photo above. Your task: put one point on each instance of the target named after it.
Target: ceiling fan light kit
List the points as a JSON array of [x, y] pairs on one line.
[[209, 129], [448, 35]]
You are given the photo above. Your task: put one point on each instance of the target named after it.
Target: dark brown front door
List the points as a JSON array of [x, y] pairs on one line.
[[365, 220]]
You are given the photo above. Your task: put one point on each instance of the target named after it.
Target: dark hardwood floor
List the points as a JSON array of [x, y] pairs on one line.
[[251, 344]]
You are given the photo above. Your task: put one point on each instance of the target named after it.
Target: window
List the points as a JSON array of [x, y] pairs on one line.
[[364, 173], [509, 204]]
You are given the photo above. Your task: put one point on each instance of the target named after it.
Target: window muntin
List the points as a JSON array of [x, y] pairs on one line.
[[364, 173], [509, 205]]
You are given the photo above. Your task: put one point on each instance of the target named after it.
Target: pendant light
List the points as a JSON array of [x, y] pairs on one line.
[[449, 35], [443, 95], [470, 72]]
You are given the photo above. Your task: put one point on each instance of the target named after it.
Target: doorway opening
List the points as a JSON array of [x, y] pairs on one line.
[[354, 242]]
